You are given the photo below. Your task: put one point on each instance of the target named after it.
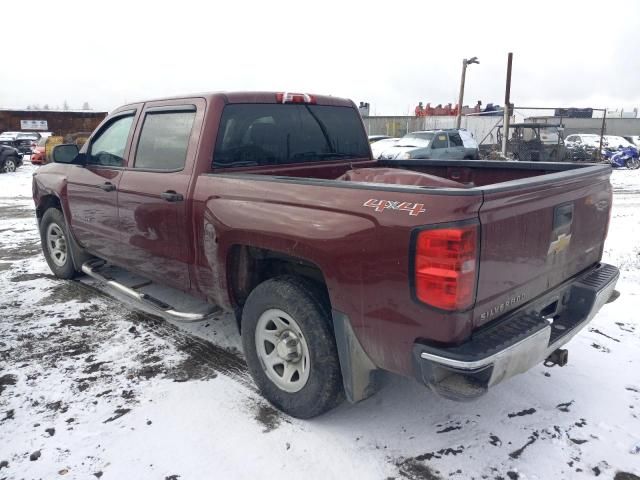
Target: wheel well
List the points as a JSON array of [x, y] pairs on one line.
[[47, 202], [248, 267]]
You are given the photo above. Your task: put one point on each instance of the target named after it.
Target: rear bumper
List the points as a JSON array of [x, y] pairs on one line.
[[518, 341]]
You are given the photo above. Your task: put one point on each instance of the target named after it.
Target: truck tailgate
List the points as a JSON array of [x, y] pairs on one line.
[[537, 234]]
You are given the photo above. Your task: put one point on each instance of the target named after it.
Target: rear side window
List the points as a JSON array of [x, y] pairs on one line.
[[274, 134], [164, 140], [440, 141], [455, 140]]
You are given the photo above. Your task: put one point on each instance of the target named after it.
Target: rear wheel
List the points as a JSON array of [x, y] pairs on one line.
[[633, 163], [55, 244], [10, 165], [290, 347]]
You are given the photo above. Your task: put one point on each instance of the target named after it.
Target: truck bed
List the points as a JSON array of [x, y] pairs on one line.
[[526, 245]]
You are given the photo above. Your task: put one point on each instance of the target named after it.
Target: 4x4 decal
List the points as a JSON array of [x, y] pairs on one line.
[[381, 205]]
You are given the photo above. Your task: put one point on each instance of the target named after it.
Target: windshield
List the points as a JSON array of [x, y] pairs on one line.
[[428, 136], [417, 139], [273, 134]]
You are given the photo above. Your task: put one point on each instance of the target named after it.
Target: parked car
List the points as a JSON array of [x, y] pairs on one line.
[[584, 139], [377, 138], [615, 142], [452, 144], [457, 273], [635, 139], [10, 158], [23, 141], [38, 156]]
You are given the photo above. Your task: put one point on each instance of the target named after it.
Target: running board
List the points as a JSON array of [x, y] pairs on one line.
[[90, 268]]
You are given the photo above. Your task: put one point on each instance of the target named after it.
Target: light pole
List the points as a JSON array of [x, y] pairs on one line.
[[465, 62]]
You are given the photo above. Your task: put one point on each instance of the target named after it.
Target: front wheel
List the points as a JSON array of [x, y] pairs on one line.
[[290, 347], [55, 244], [10, 165]]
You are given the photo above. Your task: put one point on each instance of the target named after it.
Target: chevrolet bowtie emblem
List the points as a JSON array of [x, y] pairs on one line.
[[560, 244]]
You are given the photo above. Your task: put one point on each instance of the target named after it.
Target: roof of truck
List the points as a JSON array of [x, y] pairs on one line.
[[258, 97]]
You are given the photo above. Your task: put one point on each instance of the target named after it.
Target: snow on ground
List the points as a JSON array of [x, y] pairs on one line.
[[91, 388]]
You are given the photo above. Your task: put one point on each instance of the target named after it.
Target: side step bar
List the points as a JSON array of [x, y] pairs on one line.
[[90, 268]]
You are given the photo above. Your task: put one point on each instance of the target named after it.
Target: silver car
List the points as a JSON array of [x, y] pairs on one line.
[[449, 144]]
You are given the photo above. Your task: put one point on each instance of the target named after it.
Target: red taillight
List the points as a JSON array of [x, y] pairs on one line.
[[445, 267], [288, 97]]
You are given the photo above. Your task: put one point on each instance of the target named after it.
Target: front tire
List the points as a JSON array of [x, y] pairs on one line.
[[290, 347], [10, 165], [55, 244]]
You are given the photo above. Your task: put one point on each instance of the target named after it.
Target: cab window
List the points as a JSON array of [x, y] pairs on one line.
[[164, 140], [107, 149]]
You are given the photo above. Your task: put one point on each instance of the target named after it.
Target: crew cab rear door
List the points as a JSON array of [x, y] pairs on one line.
[[92, 189], [153, 201]]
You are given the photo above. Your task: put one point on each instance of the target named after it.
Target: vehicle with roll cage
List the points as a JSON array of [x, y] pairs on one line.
[[457, 273]]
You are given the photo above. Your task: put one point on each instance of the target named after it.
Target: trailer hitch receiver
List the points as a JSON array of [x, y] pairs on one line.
[[558, 357]]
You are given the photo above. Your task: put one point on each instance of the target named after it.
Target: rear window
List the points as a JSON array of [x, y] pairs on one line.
[[274, 134], [164, 140], [455, 140]]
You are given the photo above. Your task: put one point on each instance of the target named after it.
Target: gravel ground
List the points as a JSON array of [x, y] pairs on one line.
[[90, 387]]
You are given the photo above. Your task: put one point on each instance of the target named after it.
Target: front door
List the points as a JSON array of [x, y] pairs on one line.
[[153, 193], [92, 189]]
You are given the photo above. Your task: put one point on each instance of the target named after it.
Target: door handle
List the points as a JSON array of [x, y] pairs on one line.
[[107, 187], [171, 196]]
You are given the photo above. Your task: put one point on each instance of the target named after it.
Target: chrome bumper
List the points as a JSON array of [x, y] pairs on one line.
[[496, 353]]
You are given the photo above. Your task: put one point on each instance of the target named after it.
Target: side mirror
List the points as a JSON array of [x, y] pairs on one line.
[[65, 153]]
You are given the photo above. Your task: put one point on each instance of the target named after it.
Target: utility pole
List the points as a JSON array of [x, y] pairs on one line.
[[507, 107], [604, 123], [465, 62]]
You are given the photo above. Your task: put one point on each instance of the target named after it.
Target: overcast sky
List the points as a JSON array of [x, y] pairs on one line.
[[391, 54]]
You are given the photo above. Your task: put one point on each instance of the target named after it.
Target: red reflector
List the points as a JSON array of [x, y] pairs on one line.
[[288, 97], [445, 267]]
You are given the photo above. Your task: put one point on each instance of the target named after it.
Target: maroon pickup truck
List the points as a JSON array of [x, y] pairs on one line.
[[457, 273]]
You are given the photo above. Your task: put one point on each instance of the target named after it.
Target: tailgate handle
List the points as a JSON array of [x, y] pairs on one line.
[[562, 215]]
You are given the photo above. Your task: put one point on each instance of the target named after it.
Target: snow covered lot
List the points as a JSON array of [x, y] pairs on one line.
[[91, 388]]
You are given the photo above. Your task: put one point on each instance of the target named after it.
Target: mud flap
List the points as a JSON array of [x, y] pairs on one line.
[[358, 371]]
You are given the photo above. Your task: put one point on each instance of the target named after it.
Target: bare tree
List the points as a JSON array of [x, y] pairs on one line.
[[45, 106], [85, 106], [65, 105]]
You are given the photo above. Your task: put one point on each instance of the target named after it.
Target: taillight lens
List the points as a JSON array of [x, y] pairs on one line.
[[445, 267]]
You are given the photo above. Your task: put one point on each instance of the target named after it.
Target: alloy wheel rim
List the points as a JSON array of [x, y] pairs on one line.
[[282, 350], [9, 166], [57, 244]]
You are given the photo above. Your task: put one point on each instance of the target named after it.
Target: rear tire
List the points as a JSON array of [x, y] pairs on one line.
[[633, 163], [55, 244], [290, 347]]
